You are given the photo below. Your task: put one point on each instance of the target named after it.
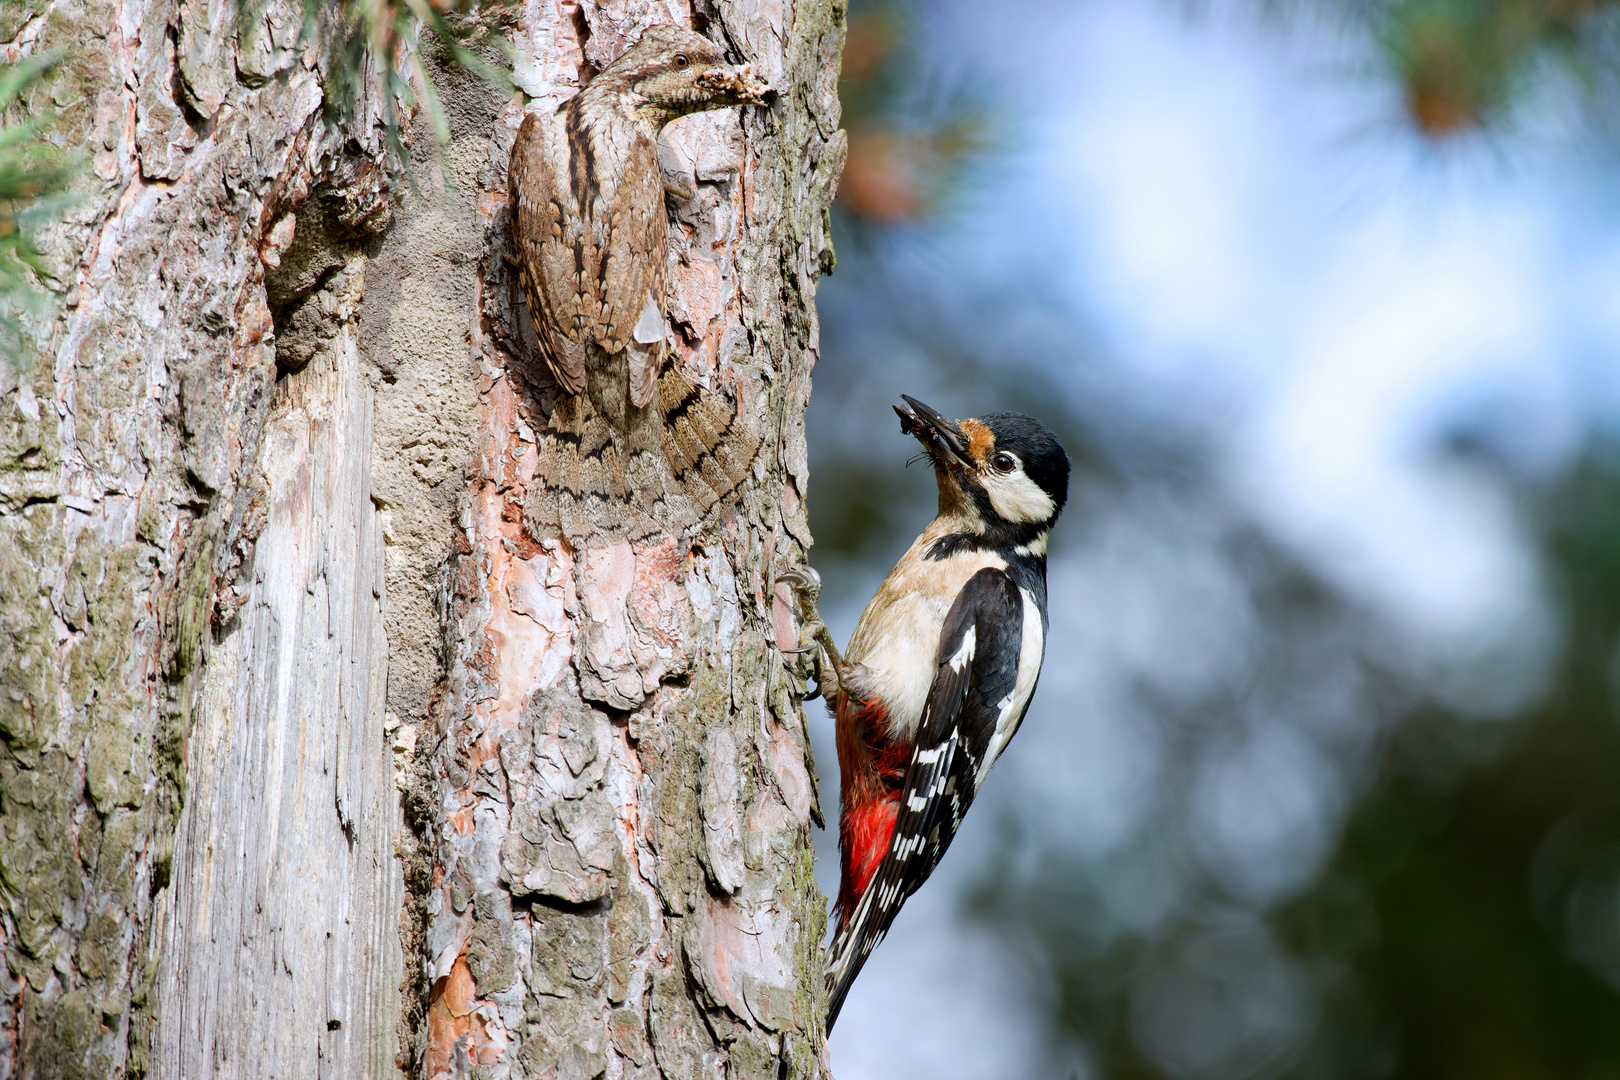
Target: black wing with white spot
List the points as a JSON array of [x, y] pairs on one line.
[[976, 678]]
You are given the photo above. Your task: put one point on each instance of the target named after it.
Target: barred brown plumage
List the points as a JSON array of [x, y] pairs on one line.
[[941, 667], [634, 446]]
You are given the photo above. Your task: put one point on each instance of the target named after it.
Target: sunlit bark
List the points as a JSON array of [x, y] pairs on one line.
[[311, 761]]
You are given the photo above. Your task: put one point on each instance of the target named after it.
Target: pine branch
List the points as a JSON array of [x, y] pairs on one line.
[[372, 39]]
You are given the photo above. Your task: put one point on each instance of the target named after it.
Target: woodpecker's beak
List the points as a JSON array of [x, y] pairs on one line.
[[938, 435]]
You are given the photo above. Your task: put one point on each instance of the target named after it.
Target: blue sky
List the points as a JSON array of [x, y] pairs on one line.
[[1250, 246], [1241, 215]]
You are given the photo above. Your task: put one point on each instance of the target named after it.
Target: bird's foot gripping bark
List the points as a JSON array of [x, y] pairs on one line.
[[814, 637]]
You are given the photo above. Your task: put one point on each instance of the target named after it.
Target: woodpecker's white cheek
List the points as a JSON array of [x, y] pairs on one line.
[[1017, 498]]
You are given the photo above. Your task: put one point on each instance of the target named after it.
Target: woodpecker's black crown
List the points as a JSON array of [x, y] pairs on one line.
[[1045, 461], [1006, 469]]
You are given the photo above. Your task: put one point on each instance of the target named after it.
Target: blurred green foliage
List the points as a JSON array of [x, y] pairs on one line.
[[910, 134], [366, 39], [1463, 65], [1483, 937], [33, 181], [1466, 925]]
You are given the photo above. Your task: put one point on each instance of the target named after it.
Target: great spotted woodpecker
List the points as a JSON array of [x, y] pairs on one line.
[[941, 668]]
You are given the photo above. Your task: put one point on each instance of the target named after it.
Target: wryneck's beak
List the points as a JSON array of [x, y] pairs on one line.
[[736, 86], [941, 438]]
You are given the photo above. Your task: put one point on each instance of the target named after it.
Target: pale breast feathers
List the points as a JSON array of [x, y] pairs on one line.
[[896, 643]]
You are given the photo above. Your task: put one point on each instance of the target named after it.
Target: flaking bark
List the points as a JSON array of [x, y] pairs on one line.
[[312, 761], [606, 708]]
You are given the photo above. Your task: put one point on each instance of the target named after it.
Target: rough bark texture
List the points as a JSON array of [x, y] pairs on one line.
[[146, 444], [262, 585], [615, 785]]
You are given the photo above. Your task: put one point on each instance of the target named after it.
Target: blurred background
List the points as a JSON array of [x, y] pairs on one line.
[[1322, 779]]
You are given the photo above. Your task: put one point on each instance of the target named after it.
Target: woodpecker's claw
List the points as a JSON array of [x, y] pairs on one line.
[[814, 635]]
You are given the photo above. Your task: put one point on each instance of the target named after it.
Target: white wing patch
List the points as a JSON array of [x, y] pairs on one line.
[[964, 655], [1010, 709]]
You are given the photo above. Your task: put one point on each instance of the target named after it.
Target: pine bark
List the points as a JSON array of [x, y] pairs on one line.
[[312, 761]]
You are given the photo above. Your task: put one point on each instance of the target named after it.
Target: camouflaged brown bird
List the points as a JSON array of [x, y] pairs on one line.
[[634, 446]]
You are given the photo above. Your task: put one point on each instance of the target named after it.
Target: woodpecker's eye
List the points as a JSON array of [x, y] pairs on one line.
[[681, 61], [1003, 463]]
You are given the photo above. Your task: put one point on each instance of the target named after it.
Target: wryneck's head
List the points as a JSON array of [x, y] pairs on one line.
[[671, 72]]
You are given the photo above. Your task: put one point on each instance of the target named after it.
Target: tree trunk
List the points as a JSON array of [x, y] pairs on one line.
[[312, 762]]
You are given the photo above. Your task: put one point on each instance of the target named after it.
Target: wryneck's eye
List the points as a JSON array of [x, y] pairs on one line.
[[682, 61], [1003, 463]]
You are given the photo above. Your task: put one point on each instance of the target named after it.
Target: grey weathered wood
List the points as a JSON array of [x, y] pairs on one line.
[[129, 444], [285, 845]]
